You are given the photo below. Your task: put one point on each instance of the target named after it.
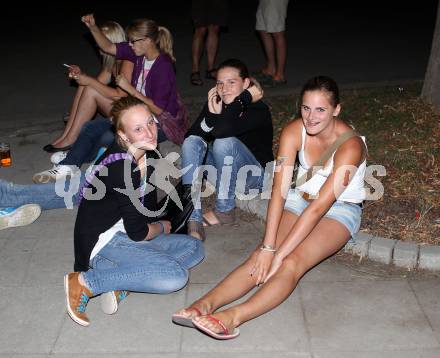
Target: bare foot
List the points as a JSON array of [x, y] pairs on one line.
[[211, 218], [225, 318], [195, 310]]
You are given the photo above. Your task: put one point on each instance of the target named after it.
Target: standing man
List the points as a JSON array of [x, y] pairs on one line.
[[271, 19], [208, 17]]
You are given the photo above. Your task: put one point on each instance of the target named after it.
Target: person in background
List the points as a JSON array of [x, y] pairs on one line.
[[150, 49], [153, 80], [271, 19], [208, 18], [93, 94]]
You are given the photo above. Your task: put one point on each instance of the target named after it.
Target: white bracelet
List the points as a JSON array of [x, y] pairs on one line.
[[269, 248]]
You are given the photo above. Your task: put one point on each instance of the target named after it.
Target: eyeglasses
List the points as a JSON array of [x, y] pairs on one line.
[[131, 42]]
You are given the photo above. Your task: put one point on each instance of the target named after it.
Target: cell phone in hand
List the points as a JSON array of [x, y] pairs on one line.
[[218, 98]]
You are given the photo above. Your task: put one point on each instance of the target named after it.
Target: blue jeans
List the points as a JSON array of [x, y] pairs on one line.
[[14, 195], [157, 266], [231, 161], [93, 135]]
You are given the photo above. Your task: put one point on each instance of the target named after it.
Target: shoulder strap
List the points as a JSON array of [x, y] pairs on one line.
[[96, 168], [325, 156]]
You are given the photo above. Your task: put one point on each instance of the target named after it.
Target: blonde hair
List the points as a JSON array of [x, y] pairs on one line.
[[160, 35], [118, 109], [115, 33]]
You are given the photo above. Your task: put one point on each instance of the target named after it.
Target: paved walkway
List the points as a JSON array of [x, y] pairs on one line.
[[338, 310]]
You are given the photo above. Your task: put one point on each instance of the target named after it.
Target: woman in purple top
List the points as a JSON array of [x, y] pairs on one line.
[[154, 79]]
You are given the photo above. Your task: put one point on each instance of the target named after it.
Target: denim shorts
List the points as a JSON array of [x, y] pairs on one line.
[[348, 214]]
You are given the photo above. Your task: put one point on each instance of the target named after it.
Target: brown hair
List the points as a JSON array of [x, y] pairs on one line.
[[323, 83], [160, 35], [118, 109], [237, 64]]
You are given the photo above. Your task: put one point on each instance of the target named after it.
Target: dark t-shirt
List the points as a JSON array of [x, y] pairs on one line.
[[249, 122], [97, 216]]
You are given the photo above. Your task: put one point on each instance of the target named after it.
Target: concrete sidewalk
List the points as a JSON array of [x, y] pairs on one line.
[[337, 310]]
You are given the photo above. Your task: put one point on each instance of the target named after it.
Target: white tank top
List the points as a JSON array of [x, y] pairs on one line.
[[353, 193]]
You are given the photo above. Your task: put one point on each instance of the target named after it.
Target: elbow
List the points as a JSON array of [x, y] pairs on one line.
[[109, 48]]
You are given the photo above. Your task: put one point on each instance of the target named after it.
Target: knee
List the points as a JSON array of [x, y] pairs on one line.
[[213, 29], [292, 266], [193, 142], [92, 129], [174, 282], [225, 146], [87, 126], [89, 92], [200, 31], [106, 138]]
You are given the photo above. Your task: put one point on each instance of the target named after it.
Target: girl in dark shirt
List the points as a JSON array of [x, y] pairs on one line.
[[233, 138], [114, 233]]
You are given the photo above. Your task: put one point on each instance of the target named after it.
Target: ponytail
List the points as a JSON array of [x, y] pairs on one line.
[[165, 42]]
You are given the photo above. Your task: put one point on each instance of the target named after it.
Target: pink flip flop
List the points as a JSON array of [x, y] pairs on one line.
[[222, 335], [185, 321]]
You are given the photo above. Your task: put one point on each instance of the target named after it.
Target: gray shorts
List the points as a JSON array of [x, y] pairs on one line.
[[271, 15]]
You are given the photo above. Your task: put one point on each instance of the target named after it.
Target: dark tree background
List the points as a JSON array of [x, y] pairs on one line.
[[431, 85]]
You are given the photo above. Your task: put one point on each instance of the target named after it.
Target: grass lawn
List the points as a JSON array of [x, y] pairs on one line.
[[403, 135]]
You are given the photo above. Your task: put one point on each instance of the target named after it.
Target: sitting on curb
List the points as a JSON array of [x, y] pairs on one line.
[[232, 135]]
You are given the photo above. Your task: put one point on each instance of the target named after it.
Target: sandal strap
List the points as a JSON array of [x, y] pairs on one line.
[[195, 309], [196, 79], [220, 323], [211, 73]]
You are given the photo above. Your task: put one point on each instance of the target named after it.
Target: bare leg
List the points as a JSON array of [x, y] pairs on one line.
[[281, 49], [315, 248], [238, 282], [212, 45], [91, 101], [197, 47], [269, 50], [72, 114]]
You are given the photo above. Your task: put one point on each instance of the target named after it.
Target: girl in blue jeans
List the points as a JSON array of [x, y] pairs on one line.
[[232, 140], [118, 246]]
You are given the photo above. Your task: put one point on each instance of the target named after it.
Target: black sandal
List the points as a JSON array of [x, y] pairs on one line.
[[211, 74], [196, 80]]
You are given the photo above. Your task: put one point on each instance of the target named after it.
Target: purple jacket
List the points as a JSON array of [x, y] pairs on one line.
[[160, 84]]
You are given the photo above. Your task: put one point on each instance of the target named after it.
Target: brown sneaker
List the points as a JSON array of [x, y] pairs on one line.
[[77, 297], [110, 301]]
